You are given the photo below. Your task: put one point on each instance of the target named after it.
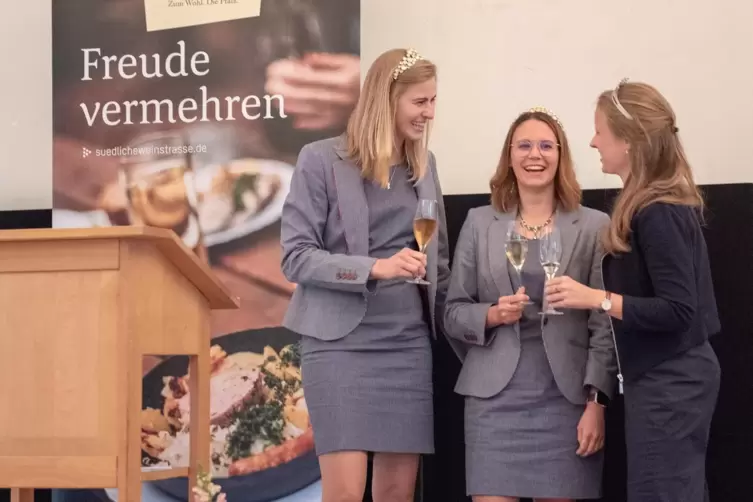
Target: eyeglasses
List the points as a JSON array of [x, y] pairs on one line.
[[545, 146]]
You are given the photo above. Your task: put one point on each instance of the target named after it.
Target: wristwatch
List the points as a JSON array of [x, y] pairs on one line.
[[596, 396], [606, 303]]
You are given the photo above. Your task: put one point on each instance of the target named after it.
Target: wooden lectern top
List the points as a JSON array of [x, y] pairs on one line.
[[166, 241]]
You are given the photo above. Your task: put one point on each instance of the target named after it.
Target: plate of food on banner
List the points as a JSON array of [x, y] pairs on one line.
[[231, 199], [262, 443], [240, 197]]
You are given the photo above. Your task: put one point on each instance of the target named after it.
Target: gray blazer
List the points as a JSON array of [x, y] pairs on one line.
[[579, 343], [325, 244]]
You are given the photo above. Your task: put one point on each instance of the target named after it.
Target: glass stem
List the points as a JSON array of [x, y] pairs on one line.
[[545, 303]]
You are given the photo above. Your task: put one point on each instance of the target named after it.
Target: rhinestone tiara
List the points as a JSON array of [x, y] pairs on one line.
[[546, 111], [410, 58]]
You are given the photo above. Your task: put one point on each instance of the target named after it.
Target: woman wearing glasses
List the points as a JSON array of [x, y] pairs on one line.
[[659, 294], [535, 383], [348, 243]]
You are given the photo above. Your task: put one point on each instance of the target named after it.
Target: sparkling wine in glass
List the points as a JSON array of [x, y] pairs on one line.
[[424, 228], [157, 176], [550, 253], [516, 249]]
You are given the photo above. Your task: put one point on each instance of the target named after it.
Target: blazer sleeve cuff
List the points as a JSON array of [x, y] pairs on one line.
[[598, 379], [475, 332], [353, 274]]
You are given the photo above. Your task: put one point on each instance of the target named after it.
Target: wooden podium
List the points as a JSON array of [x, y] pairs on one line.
[[79, 308]]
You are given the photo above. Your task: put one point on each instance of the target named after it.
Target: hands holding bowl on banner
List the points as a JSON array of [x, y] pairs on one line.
[[319, 89]]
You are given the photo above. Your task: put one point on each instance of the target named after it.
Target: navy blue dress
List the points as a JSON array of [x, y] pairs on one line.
[[670, 370]]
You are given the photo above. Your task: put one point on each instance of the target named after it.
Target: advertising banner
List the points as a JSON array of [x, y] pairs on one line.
[[189, 115]]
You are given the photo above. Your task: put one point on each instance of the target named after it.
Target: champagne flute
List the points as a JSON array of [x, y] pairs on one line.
[[550, 252], [424, 227], [516, 249], [158, 180]]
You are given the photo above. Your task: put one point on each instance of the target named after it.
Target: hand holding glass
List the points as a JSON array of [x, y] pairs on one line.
[[550, 253], [424, 228], [516, 249]]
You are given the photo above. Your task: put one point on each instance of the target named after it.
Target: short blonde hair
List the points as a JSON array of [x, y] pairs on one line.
[[638, 114], [504, 193], [371, 129]]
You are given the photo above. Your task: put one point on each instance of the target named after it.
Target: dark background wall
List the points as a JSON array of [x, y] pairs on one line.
[[729, 234]]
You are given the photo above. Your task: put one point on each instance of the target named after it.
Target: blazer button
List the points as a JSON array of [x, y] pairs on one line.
[[546, 321]]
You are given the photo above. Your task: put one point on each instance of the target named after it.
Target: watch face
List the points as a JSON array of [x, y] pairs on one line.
[[606, 304]]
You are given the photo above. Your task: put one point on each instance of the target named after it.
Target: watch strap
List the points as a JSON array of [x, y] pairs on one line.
[[596, 396]]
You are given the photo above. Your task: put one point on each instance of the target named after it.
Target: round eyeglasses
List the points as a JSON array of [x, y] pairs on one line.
[[525, 146]]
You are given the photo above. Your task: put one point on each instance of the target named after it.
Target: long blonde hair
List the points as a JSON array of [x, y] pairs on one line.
[[504, 192], [659, 169], [371, 129]]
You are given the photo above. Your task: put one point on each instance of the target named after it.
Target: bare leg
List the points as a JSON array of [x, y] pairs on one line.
[[343, 476], [394, 477], [22, 494]]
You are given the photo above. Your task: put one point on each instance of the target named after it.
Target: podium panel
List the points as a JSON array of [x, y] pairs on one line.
[[81, 308], [59, 354]]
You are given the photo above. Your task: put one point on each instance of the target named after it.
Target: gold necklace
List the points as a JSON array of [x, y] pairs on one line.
[[535, 229]]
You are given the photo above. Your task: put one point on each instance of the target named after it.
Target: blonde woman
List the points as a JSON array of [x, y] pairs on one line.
[[347, 238], [659, 294], [535, 387]]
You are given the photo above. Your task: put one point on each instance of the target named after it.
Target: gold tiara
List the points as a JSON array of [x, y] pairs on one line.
[[546, 111], [410, 58]]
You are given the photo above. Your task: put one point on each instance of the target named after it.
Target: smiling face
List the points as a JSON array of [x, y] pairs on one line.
[[415, 107], [536, 158], [614, 152], [534, 155]]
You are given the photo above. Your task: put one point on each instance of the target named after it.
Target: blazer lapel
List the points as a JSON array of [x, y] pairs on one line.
[[567, 223], [352, 206], [425, 188], [497, 238]]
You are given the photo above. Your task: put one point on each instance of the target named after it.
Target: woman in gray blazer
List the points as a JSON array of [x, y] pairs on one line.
[[535, 385], [348, 244]]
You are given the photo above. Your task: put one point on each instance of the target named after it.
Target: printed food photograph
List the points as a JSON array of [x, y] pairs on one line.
[[230, 199], [210, 155], [260, 428]]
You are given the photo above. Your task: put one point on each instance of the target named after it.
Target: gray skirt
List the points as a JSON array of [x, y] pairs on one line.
[[522, 442], [668, 413], [372, 390]]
